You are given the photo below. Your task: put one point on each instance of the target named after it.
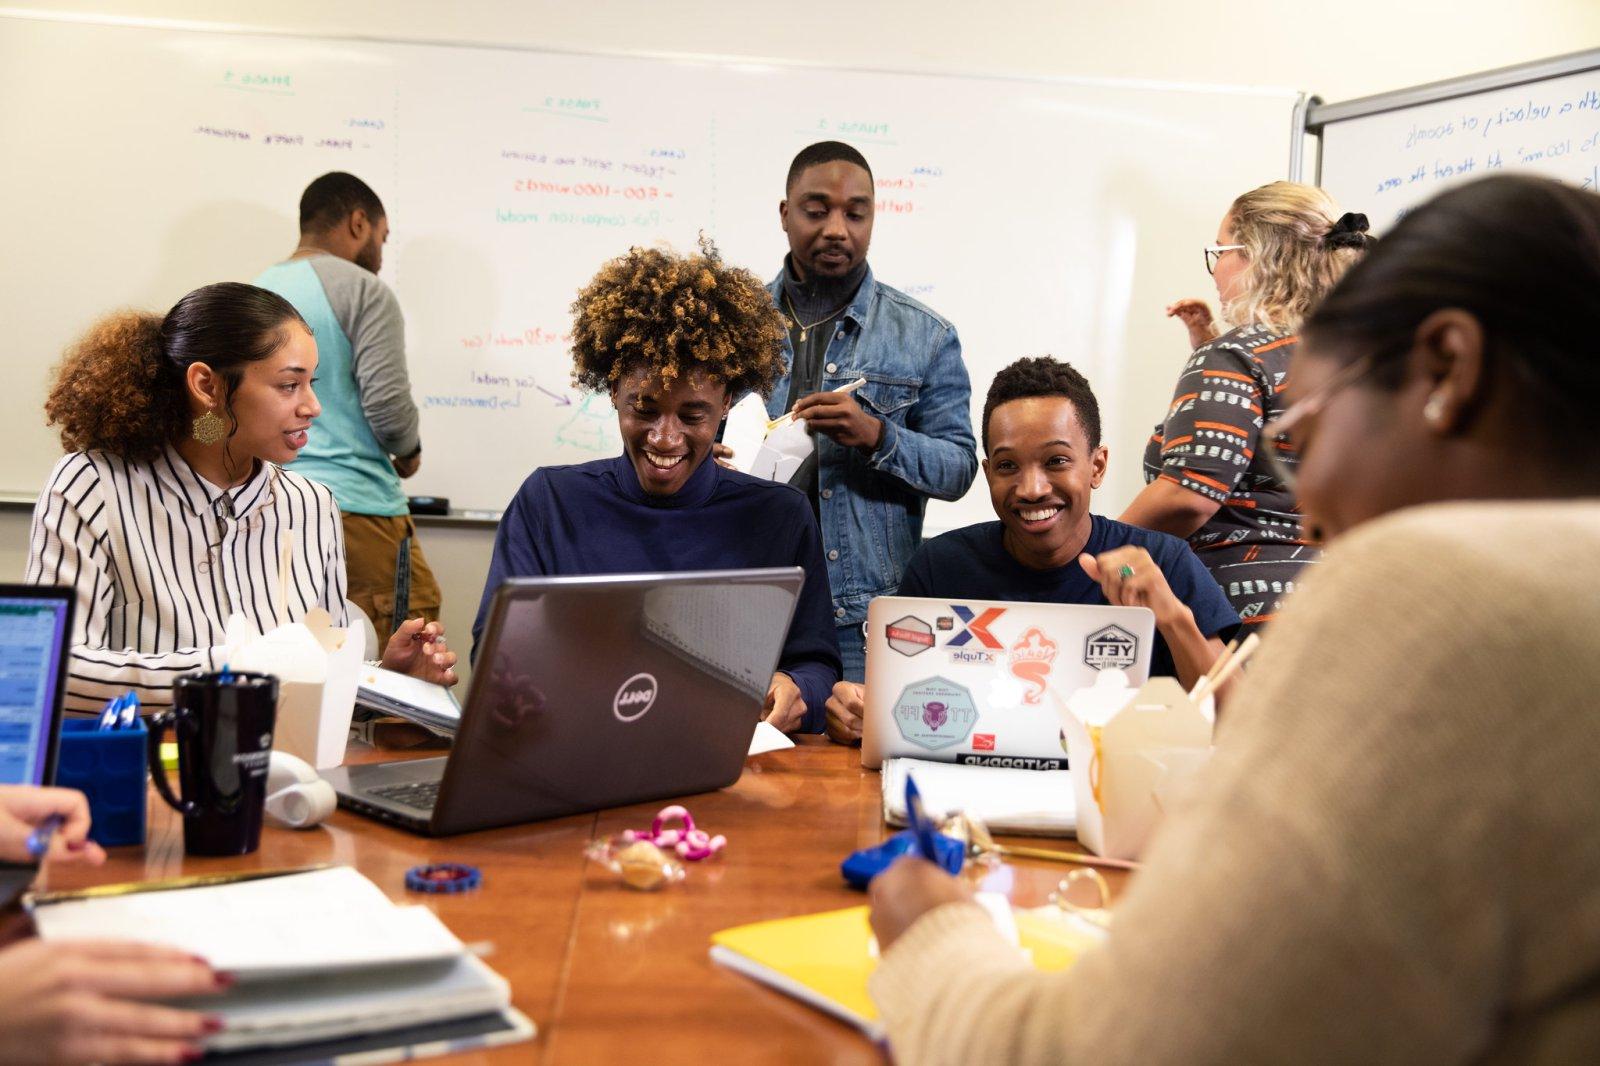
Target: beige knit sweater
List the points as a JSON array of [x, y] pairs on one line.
[[1394, 855]]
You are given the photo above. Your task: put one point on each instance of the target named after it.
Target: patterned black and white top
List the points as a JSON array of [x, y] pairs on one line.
[[160, 558], [1210, 443]]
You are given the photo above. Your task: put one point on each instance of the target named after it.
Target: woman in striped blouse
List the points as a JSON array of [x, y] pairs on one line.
[[169, 513], [1211, 479]]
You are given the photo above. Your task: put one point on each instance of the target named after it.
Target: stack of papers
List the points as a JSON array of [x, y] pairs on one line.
[[429, 705], [1007, 800], [320, 956]]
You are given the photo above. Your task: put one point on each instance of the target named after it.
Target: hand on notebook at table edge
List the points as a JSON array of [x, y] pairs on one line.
[[785, 708], [418, 648], [78, 1002], [844, 709], [723, 455], [23, 808], [907, 890]]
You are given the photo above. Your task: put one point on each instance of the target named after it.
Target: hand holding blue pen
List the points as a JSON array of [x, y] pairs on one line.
[[39, 823], [38, 843]]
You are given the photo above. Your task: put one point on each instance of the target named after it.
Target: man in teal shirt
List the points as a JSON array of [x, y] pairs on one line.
[[366, 438]]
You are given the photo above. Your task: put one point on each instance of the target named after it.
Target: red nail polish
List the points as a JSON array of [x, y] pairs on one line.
[[77, 845], [191, 1054], [201, 961], [214, 1024], [227, 980]]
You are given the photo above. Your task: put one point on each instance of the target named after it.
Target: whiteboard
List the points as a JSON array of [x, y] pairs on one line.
[[1392, 158], [1038, 216]]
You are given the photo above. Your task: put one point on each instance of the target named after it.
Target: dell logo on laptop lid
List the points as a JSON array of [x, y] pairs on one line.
[[636, 696]]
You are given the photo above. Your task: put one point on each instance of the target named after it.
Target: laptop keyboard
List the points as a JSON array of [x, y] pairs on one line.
[[419, 794]]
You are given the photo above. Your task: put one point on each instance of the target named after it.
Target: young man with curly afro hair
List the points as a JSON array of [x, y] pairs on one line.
[[1043, 459], [673, 339]]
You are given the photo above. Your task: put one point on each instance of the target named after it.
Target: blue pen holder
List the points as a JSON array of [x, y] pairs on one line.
[[108, 766]]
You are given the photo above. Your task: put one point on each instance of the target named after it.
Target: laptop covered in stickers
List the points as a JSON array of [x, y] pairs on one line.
[[969, 681]]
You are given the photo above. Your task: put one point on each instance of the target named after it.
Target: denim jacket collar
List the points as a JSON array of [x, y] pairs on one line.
[[859, 308]]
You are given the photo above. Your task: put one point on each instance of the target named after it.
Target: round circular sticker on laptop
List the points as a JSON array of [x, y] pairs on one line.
[[935, 713]]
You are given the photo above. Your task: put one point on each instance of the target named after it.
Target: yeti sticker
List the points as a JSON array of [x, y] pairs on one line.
[[1112, 646]]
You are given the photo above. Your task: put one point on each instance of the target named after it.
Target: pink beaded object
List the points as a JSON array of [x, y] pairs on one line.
[[690, 843]]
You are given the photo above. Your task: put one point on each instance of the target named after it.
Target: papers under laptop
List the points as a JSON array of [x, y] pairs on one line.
[[1006, 800], [967, 682]]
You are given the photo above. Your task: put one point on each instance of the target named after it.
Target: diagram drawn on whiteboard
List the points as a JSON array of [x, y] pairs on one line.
[[592, 426]]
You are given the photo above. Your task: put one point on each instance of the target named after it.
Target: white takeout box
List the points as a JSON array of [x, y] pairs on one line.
[[781, 454], [317, 666], [1130, 751]]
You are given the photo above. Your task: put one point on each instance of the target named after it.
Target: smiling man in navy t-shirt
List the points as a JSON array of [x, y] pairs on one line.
[[1043, 460]]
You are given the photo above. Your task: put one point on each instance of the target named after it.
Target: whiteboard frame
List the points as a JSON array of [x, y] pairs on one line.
[[696, 58], [1319, 115]]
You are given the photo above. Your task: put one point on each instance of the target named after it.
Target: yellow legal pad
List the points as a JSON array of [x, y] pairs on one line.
[[825, 959]]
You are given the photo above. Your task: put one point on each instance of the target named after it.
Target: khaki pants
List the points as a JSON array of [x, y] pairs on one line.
[[371, 548]]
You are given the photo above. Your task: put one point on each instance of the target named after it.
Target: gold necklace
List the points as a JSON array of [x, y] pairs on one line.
[[806, 327]]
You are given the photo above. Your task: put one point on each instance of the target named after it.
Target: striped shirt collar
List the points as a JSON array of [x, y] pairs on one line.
[[173, 471]]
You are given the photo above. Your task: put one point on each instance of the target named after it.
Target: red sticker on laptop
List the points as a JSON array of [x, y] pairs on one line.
[[983, 742]]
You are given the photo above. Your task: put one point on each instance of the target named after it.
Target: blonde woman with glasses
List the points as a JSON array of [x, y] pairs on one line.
[[1211, 478]]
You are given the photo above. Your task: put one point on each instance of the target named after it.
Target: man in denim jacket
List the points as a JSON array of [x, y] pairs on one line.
[[906, 434]]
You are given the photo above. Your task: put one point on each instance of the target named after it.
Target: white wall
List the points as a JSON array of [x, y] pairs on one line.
[[1338, 50]]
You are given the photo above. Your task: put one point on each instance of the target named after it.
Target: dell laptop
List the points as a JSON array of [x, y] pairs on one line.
[[592, 692]]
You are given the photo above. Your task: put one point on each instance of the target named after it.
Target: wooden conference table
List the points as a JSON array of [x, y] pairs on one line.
[[608, 973]]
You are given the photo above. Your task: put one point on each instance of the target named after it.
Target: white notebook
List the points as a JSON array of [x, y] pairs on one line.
[[413, 699], [1009, 800], [321, 955], [267, 928]]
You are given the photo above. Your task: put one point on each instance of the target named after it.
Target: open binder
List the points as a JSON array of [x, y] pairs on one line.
[[328, 969]]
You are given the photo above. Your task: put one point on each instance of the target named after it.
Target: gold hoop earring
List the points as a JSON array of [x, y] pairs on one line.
[[210, 428]]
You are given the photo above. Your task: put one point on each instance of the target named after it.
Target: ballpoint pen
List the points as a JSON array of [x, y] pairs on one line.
[[38, 843], [921, 827]]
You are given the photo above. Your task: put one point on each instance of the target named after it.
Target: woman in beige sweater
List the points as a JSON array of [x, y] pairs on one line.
[[1391, 857]]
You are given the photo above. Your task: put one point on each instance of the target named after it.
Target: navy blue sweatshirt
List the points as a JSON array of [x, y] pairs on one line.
[[594, 518]]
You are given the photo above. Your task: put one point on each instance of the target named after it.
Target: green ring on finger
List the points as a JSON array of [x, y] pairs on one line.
[[1125, 571]]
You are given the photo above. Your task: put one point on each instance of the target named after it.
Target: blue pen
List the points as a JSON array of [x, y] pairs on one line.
[[130, 711], [226, 677], [108, 716], [920, 825], [38, 843]]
